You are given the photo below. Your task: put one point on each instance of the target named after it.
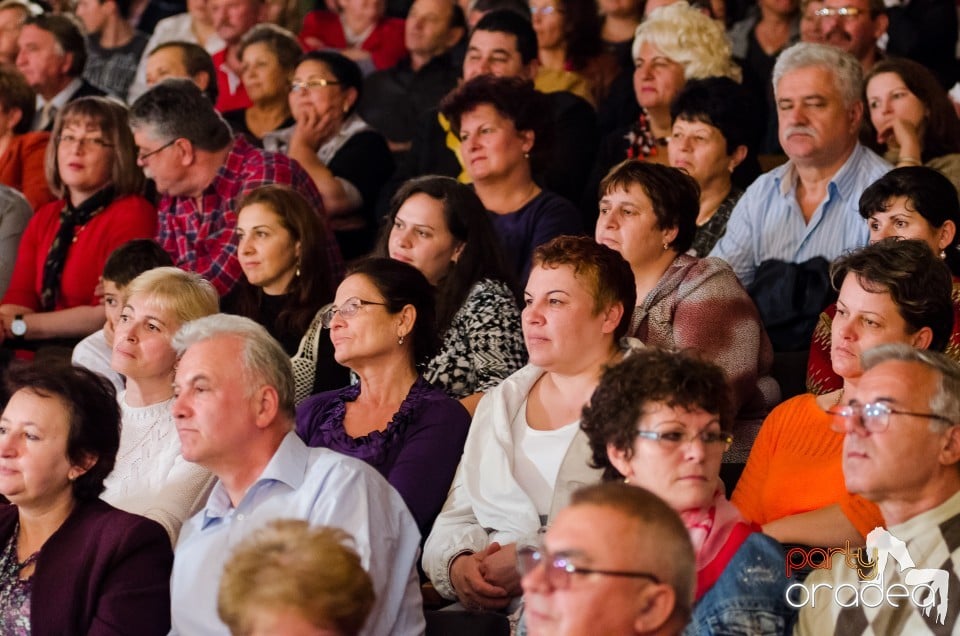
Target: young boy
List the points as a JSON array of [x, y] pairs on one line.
[[123, 265]]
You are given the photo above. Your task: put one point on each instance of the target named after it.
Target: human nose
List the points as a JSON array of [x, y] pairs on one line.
[[181, 406], [694, 448], [535, 579], [8, 447], [845, 328], [532, 314], [884, 230], [244, 245]]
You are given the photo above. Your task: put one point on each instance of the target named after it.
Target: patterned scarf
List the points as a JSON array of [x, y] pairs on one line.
[[640, 140], [71, 218]]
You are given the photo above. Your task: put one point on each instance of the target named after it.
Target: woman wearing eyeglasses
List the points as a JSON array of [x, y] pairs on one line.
[[661, 421], [383, 329], [347, 159], [891, 291], [92, 166]]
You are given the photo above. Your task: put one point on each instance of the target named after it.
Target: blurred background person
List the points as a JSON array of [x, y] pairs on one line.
[[15, 213], [183, 60], [232, 19], [21, 151], [359, 30], [13, 14], [114, 48]]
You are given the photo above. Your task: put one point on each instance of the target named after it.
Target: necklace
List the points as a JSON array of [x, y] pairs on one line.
[[839, 398]]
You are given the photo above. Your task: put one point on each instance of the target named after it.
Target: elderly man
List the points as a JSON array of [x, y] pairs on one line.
[[52, 55], [232, 19], [854, 26], [202, 171], [901, 450], [234, 412], [617, 560]]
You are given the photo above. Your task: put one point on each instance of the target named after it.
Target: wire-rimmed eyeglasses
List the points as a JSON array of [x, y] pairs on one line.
[[873, 417], [559, 569], [347, 310]]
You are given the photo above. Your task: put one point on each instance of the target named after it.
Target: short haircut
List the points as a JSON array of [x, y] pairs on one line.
[[68, 33], [263, 361], [458, 19], [509, 22], [343, 69], [402, 284], [186, 295], [918, 282], [674, 195], [928, 193], [15, 92], [946, 401], [290, 567], [690, 38], [94, 412], [607, 275], [111, 117], [845, 69], [671, 555], [718, 102], [162, 110], [519, 7], [132, 259], [282, 43], [650, 375], [195, 60]]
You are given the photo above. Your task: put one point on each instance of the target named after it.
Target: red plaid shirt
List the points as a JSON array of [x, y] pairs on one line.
[[203, 239]]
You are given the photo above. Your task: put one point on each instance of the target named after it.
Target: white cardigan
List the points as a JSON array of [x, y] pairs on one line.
[[485, 503]]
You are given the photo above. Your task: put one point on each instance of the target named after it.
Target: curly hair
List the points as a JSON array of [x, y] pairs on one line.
[[650, 375], [690, 38]]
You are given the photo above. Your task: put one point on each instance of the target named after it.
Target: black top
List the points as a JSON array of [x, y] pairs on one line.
[[238, 122]]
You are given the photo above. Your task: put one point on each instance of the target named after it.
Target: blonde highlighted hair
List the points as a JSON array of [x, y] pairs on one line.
[[186, 295]]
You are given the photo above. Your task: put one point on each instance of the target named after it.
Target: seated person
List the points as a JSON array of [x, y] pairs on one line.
[[21, 151], [114, 47], [637, 559], [359, 30], [648, 213], [123, 265], [92, 165], [15, 214], [151, 477], [661, 421], [890, 291], [184, 60], [525, 452], [290, 578], [72, 564], [383, 328]]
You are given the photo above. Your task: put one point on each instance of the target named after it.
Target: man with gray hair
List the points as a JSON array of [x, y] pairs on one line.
[[234, 412], [901, 450], [202, 171]]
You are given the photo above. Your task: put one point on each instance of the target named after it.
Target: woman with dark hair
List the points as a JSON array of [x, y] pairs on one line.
[[648, 213], [661, 420], [269, 56], [498, 121], [285, 286], [348, 161], [21, 151], [710, 142], [908, 203], [70, 563], [891, 291], [439, 226], [91, 164], [911, 119], [383, 328]]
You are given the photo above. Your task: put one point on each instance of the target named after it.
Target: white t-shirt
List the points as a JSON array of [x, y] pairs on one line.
[[537, 458]]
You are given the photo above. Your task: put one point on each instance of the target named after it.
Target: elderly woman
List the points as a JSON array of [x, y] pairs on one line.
[[661, 421], [348, 161], [72, 564], [268, 57], [92, 165], [383, 327], [891, 291], [648, 213], [711, 132], [525, 453], [151, 477], [285, 286], [21, 151], [289, 578], [908, 203], [498, 122], [440, 227]]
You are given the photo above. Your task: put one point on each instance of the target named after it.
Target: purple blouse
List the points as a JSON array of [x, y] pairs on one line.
[[417, 453]]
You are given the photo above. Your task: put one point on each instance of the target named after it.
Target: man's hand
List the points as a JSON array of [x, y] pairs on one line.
[[472, 590]]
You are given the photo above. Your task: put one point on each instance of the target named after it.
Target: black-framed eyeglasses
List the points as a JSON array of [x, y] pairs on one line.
[[296, 87], [83, 142], [559, 569], [873, 417], [347, 310], [674, 439], [143, 156]]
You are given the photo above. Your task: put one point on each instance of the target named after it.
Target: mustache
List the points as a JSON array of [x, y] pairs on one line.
[[800, 130]]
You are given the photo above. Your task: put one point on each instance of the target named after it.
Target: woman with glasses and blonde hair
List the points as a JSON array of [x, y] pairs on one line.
[[91, 165], [661, 421], [383, 328]]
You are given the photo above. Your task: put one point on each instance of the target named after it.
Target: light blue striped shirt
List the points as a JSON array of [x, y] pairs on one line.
[[768, 224]]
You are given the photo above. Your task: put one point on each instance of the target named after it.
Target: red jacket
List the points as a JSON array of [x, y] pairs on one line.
[[21, 167], [385, 43]]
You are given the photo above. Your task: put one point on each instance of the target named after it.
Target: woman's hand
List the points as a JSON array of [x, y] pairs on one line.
[[905, 135], [312, 129], [472, 590], [499, 567]]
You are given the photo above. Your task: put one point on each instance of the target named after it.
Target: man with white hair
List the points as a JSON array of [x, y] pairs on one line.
[[234, 412]]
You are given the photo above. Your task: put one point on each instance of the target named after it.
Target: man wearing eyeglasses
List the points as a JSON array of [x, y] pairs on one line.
[[617, 560], [854, 26], [901, 450]]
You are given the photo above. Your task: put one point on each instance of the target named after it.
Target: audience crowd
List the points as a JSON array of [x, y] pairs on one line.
[[506, 317]]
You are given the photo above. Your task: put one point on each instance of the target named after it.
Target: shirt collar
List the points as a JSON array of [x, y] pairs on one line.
[[60, 99], [843, 180]]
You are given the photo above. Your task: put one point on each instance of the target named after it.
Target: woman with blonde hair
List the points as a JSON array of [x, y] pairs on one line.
[[151, 478]]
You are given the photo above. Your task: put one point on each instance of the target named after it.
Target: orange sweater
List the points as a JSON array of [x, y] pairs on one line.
[[21, 167], [795, 466]]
